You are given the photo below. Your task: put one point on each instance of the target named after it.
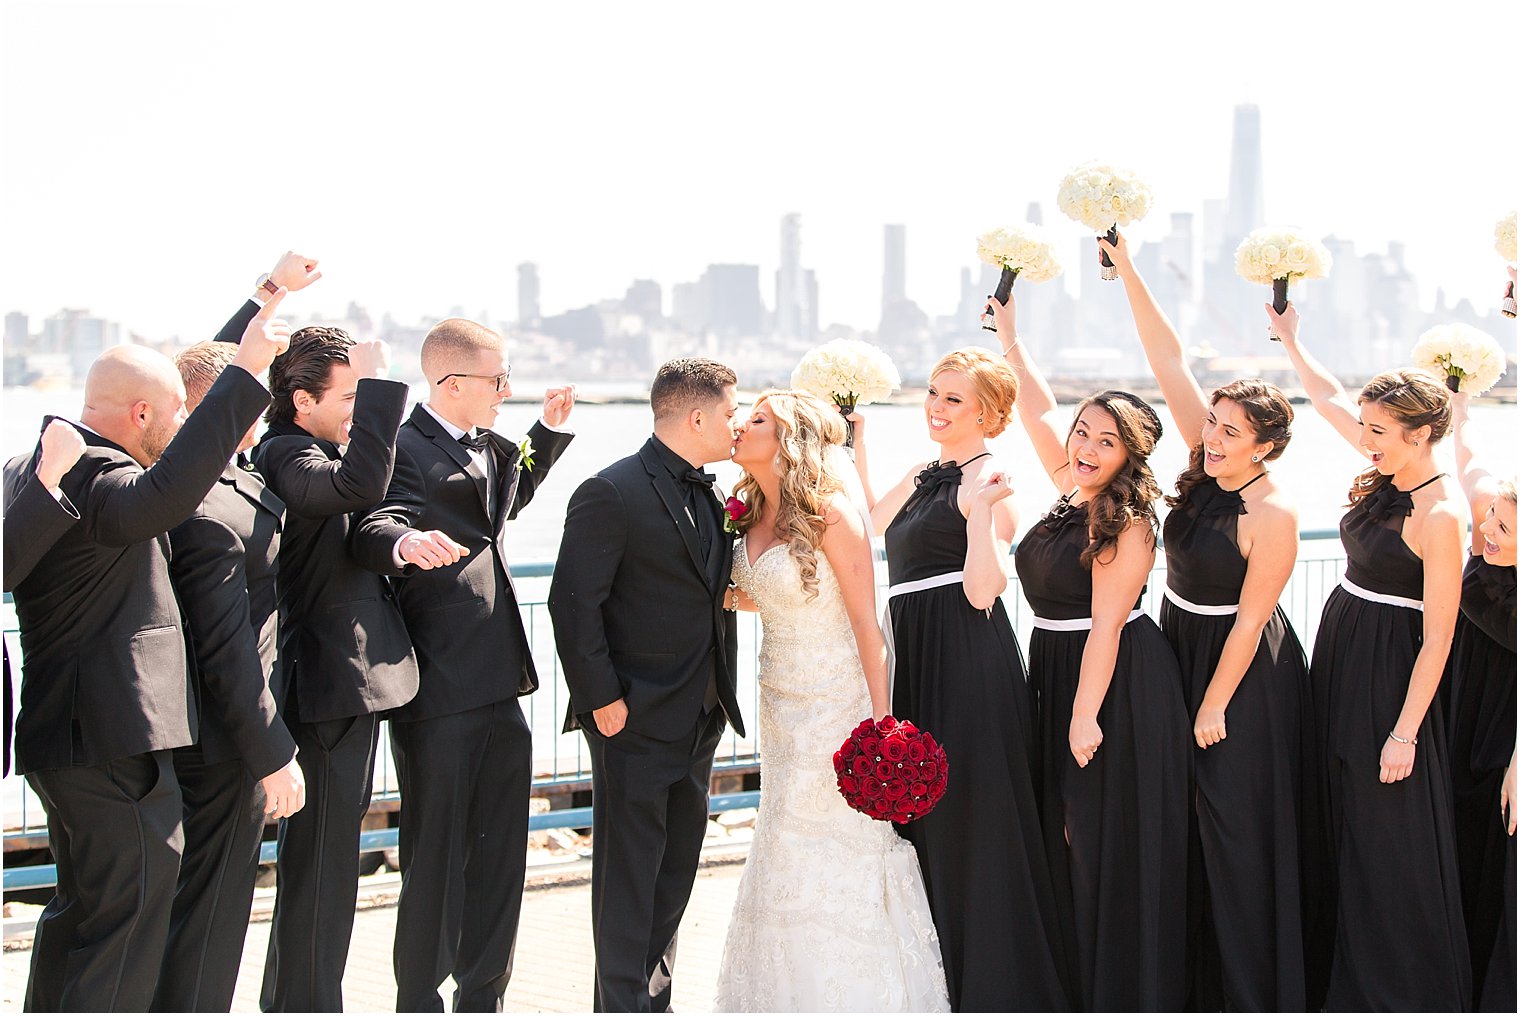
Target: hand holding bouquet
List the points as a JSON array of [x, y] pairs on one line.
[[1102, 198], [891, 770], [1275, 256], [1016, 250], [1504, 243], [1470, 360], [848, 373]]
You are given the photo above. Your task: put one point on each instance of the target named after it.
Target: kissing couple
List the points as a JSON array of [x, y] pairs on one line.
[[831, 911]]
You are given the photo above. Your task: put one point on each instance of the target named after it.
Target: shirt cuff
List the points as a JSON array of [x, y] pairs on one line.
[[396, 550], [549, 426]]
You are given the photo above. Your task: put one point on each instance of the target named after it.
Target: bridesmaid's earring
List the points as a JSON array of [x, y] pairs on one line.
[[1255, 458], [978, 420]]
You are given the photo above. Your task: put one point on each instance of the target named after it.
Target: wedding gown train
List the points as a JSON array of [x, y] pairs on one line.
[[831, 913]]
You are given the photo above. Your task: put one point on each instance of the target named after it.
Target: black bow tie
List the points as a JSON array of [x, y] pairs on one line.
[[698, 477], [477, 443], [1387, 501]]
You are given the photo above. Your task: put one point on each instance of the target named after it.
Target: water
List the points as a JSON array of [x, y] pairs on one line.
[[1317, 466]]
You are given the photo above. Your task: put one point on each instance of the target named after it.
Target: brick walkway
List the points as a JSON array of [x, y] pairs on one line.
[[552, 970]]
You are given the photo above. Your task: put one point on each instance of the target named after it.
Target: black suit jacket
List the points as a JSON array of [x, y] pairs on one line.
[[223, 568], [34, 519], [104, 673], [464, 620], [343, 648], [637, 610]]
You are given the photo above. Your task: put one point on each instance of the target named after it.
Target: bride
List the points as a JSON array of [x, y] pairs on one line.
[[831, 913]]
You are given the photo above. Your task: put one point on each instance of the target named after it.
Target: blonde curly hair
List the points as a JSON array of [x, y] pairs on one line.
[[806, 428]]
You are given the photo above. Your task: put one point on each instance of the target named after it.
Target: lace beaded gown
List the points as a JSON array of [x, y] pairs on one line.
[[1249, 798], [1120, 825], [959, 675], [1482, 726], [831, 914], [1395, 916]]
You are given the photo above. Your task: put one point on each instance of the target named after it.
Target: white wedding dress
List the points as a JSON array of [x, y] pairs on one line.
[[831, 914]]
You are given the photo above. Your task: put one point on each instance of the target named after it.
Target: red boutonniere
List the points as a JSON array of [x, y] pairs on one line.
[[733, 511]]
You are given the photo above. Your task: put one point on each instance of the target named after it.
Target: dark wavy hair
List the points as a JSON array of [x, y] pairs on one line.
[[1415, 400], [305, 366], [1131, 495], [1271, 416]]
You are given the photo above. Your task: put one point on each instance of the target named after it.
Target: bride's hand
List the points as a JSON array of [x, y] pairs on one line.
[[993, 489]]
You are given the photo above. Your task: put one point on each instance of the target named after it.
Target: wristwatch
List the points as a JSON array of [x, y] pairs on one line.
[[265, 283]]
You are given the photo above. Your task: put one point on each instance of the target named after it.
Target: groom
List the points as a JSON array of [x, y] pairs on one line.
[[650, 657]]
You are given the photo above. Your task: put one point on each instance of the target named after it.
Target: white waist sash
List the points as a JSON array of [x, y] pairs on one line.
[[932, 582], [1388, 598], [1209, 609], [1078, 623]]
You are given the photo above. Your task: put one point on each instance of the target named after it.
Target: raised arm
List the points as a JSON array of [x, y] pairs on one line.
[[1478, 484], [1115, 587], [1163, 349], [1330, 399], [39, 512], [1037, 403], [848, 549]]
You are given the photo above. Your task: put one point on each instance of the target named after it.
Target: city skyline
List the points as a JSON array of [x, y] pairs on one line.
[[424, 158]]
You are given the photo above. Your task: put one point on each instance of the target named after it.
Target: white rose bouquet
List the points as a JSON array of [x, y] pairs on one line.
[[1504, 243], [1470, 360], [1102, 198], [848, 373], [1275, 256], [1017, 250]]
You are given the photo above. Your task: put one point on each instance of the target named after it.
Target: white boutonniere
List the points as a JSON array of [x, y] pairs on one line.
[[525, 449]]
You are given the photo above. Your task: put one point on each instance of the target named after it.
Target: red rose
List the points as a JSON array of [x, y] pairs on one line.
[[841, 764], [930, 744], [865, 727], [928, 771], [885, 770], [896, 789], [735, 509], [900, 818], [916, 751], [894, 749], [886, 724], [870, 788], [871, 745], [848, 784], [918, 790]]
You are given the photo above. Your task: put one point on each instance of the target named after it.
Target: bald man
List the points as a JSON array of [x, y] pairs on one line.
[[105, 693]]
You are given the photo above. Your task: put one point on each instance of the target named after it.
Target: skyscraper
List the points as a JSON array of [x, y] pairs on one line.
[[527, 294], [791, 290], [1245, 207], [894, 273]]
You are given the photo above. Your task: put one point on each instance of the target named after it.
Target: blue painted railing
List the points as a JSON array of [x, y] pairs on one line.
[[561, 760]]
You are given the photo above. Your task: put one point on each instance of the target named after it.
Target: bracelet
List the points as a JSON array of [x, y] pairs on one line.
[[1015, 342], [1395, 737]]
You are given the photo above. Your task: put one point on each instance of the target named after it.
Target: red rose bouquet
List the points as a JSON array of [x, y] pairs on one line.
[[891, 770]]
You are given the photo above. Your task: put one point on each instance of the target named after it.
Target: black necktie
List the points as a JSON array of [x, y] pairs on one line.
[[478, 443]]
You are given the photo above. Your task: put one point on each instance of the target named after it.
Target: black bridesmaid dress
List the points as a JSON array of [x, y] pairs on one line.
[[959, 675], [1395, 916], [1249, 796], [1120, 825], [1482, 726]]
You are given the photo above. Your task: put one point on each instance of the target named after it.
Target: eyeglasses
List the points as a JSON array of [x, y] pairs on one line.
[[500, 380]]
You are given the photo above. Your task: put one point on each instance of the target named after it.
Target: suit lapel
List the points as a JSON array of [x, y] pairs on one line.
[[675, 504], [249, 484], [452, 449], [508, 476]]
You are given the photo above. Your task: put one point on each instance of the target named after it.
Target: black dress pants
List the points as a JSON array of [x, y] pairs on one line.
[[318, 871], [465, 779], [224, 828], [649, 818], [115, 833]]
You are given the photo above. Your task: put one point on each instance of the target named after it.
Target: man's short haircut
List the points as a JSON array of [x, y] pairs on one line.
[[306, 366], [200, 366], [454, 343], [692, 382]]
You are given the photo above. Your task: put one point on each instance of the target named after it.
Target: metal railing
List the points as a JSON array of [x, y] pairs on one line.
[[561, 761]]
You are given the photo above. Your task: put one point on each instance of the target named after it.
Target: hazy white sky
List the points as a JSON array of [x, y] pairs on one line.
[[158, 156]]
